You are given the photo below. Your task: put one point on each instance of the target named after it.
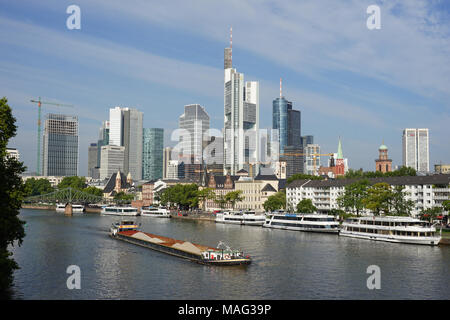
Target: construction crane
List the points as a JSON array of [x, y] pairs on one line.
[[39, 103]]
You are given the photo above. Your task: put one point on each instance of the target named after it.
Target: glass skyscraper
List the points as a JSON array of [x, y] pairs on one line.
[[152, 156], [60, 147], [288, 121]]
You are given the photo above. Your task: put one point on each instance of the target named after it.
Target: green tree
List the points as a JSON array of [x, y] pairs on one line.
[[276, 201], [446, 205], [378, 198], [221, 201], [431, 214], [74, 182], [122, 196], [12, 192], [355, 193], [234, 197], [306, 206], [35, 187], [94, 191], [184, 196], [400, 206], [205, 194]]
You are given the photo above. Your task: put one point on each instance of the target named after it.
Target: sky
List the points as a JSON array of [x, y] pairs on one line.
[[364, 86]]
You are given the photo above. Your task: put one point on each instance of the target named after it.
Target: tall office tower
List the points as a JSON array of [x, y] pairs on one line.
[[112, 160], [167, 156], [194, 123], [241, 122], [288, 123], [60, 146], [152, 164], [416, 149], [92, 159], [103, 140], [126, 129], [312, 162]]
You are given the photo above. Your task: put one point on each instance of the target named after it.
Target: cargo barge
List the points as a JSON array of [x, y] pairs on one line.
[[128, 231]]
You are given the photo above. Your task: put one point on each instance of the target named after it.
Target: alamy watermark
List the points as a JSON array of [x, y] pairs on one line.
[[374, 20], [74, 20], [374, 281], [74, 280]]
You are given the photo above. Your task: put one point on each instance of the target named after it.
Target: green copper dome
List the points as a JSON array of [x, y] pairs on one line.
[[383, 147]]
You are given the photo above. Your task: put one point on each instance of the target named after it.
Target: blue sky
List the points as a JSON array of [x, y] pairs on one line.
[[362, 85]]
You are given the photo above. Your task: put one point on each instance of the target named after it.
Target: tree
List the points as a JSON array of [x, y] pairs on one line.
[[12, 192], [184, 196], [221, 201], [78, 183], [353, 197], [205, 194], [400, 206], [446, 205], [122, 196], [275, 202], [35, 187], [94, 191], [306, 206], [378, 198], [431, 214], [233, 197]]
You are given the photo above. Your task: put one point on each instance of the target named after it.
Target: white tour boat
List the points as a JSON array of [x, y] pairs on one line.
[[120, 211], [302, 222], [76, 208], [246, 218], [155, 212], [391, 229]]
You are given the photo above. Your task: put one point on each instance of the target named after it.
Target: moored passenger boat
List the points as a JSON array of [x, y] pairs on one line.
[[195, 252], [120, 211], [302, 222], [391, 229], [244, 218], [76, 208], [155, 212]]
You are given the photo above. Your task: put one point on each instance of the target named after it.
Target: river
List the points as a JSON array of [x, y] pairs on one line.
[[286, 264]]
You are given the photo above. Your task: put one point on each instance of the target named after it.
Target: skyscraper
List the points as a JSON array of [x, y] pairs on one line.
[[166, 158], [288, 123], [60, 146], [126, 129], [416, 149], [194, 123], [241, 120], [152, 164], [103, 140], [112, 160], [92, 160]]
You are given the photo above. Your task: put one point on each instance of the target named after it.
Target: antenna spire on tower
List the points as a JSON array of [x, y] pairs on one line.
[[231, 43], [280, 89]]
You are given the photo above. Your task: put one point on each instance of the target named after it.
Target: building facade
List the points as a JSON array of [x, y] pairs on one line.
[[194, 127], [415, 143], [92, 160], [312, 162], [241, 120], [383, 163], [60, 146], [13, 153], [425, 191], [152, 164], [167, 156], [112, 160], [126, 129]]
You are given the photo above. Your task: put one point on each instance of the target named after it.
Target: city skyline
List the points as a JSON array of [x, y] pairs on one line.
[[342, 81]]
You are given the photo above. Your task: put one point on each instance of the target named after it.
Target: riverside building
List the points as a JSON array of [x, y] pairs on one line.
[[425, 191]]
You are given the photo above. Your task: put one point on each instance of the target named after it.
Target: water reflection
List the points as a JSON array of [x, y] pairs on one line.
[[286, 264]]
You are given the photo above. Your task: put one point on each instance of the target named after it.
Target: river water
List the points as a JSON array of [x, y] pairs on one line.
[[286, 264]]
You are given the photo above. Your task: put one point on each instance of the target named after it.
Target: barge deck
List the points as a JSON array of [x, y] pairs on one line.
[[183, 249]]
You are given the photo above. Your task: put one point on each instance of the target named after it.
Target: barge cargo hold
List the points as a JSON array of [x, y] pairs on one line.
[[184, 249]]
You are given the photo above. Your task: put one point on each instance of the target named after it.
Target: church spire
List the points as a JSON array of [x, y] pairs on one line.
[[339, 154]]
